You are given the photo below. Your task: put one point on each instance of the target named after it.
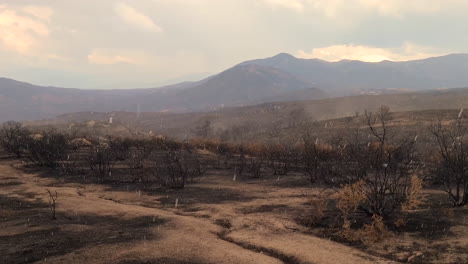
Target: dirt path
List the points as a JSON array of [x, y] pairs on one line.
[[94, 226]]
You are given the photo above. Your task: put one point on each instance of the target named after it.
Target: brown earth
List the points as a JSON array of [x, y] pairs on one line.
[[216, 221]]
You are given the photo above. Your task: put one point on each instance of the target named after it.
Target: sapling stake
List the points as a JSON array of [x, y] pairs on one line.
[[52, 202]]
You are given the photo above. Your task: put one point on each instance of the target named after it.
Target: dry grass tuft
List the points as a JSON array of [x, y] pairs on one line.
[[350, 197], [414, 198]]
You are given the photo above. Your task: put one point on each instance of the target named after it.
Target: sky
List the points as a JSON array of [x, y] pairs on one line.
[[146, 43]]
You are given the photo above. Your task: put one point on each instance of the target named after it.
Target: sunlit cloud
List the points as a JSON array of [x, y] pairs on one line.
[[19, 32], [335, 53], [57, 57], [133, 17], [108, 57]]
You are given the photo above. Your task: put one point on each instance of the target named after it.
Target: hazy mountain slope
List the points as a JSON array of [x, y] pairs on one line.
[[242, 85], [22, 101], [270, 117], [346, 77]]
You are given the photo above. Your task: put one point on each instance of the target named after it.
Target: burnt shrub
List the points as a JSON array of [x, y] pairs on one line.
[[48, 148], [380, 172], [175, 169], [282, 159], [13, 137], [101, 159], [451, 159], [315, 159], [135, 162]]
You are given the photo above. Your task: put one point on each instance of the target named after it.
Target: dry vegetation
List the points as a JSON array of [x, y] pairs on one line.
[[371, 186]]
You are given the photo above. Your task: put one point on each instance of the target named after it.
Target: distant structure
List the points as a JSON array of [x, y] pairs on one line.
[[138, 111], [110, 120]]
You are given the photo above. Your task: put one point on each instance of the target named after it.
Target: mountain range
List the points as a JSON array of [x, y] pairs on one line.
[[279, 78], [347, 77]]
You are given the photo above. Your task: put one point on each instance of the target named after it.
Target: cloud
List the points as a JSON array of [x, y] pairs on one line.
[[40, 12], [110, 56], [57, 57], [407, 51], [136, 18], [297, 5], [388, 8], [21, 33], [399, 8]]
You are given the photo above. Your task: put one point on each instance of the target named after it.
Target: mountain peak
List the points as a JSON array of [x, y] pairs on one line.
[[284, 56], [279, 58]]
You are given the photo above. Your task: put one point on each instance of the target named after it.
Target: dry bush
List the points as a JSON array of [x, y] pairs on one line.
[[371, 233], [103, 155], [414, 200], [375, 231], [372, 178], [254, 149], [282, 159], [101, 159], [255, 161], [137, 156], [73, 165], [452, 163], [175, 169], [225, 154], [315, 159], [348, 233], [414, 197], [254, 166], [350, 197], [400, 221], [49, 149], [164, 144], [210, 144], [119, 147], [318, 211], [239, 162], [382, 167], [12, 138]]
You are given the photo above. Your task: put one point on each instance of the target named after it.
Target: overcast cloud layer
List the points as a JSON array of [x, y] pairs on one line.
[[143, 43]]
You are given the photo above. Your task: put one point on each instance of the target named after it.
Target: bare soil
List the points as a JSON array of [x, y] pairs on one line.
[[216, 221]]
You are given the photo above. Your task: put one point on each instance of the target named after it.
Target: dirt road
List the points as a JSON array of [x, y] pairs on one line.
[[100, 224]]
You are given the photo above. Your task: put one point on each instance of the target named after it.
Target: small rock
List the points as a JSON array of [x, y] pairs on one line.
[[415, 256], [402, 256]]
